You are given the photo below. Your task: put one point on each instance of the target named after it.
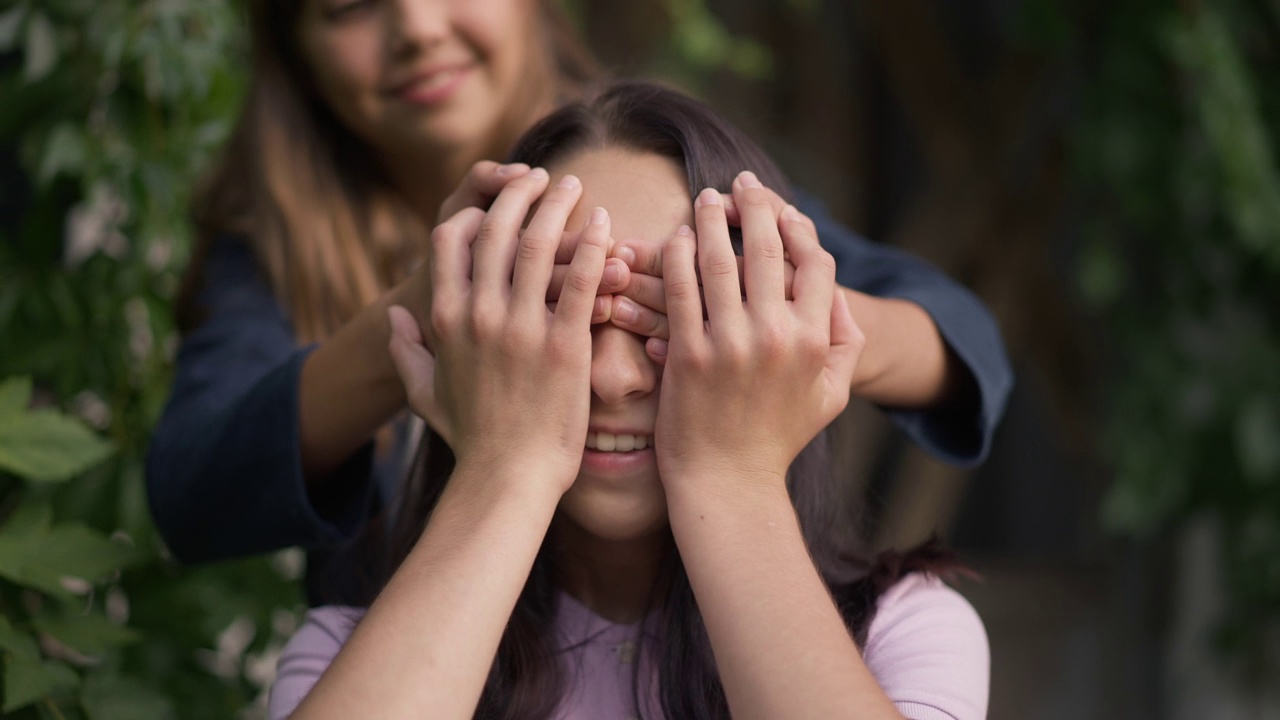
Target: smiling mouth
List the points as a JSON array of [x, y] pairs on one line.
[[609, 442], [431, 87]]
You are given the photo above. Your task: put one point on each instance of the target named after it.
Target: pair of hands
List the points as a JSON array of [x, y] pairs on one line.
[[751, 374]]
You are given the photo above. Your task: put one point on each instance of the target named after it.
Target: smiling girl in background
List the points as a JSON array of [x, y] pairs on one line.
[[366, 123], [595, 535]]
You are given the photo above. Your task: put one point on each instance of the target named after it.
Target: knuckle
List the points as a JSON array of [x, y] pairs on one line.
[[770, 249], [682, 289], [485, 320], [443, 318], [534, 245], [581, 281], [720, 266]]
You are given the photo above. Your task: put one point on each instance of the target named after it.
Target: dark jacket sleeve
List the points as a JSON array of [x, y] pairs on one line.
[[224, 469], [959, 432]]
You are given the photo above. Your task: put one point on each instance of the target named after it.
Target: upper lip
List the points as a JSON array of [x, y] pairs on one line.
[[610, 431], [418, 76]]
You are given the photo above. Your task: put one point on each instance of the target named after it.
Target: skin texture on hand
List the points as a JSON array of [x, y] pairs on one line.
[[510, 380], [744, 390]]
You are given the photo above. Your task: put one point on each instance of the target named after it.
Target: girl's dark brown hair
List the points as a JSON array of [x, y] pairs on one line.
[[328, 230], [525, 680]]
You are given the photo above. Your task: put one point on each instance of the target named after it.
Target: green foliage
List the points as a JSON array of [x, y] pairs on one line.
[[111, 108], [42, 445], [1183, 260]]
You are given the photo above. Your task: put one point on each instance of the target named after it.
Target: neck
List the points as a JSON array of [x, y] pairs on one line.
[[612, 578]]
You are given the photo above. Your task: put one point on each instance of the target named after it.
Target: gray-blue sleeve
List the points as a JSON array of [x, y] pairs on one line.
[[961, 430], [224, 468]]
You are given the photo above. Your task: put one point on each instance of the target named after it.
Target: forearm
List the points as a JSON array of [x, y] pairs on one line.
[[348, 389], [780, 644], [426, 645], [905, 363]]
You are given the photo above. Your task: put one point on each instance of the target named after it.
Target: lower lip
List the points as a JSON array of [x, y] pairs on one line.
[[421, 94], [617, 462]]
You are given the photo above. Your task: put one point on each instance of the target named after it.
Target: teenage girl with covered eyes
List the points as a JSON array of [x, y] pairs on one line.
[[367, 122], [596, 535]]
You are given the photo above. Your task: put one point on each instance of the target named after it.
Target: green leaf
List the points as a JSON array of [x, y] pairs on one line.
[[111, 697], [42, 561], [47, 446], [10, 24], [42, 48], [16, 644], [90, 634], [15, 396], [1258, 442], [33, 517], [64, 151], [26, 681]]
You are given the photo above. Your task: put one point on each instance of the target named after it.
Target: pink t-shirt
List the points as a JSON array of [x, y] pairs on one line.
[[926, 648]]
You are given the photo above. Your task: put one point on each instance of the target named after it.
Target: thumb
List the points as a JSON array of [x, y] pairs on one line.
[[415, 365], [847, 342]]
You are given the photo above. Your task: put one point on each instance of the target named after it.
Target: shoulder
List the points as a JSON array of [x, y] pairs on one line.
[[927, 648], [308, 654]]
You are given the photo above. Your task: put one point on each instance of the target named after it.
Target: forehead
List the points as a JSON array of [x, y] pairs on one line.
[[647, 195]]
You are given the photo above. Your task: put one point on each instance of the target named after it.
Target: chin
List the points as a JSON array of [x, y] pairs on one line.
[[615, 516]]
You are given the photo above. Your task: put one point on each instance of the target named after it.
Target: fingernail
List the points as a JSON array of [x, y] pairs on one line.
[[658, 347], [625, 310], [598, 216], [749, 179], [512, 169], [538, 174], [602, 307], [626, 255], [612, 274], [568, 182], [684, 230], [710, 196], [790, 213]]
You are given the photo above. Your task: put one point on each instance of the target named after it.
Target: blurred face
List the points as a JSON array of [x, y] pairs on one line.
[[618, 494], [422, 77]]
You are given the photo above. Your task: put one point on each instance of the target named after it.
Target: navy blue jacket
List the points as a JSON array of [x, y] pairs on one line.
[[224, 470]]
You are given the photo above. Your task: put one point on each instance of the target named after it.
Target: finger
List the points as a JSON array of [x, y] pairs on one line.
[[656, 349], [646, 290], [616, 278], [480, 186], [413, 362], [815, 268], [640, 255], [536, 250], [763, 275], [450, 253], [716, 260], [578, 297], [847, 342], [600, 310], [493, 253], [638, 319], [684, 301], [731, 210]]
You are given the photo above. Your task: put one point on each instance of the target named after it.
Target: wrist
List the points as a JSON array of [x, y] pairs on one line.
[[492, 481], [727, 510], [693, 491]]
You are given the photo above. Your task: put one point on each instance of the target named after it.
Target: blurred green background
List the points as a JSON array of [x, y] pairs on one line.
[[1103, 174]]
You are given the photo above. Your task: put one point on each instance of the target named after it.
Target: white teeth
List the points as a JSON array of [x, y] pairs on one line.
[[608, 442]]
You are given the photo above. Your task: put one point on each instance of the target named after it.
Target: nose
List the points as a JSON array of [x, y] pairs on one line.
[[415, 25], [620, 370]]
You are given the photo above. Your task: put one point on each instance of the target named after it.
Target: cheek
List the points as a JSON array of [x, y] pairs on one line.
[[344, 65], [504, 31]]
